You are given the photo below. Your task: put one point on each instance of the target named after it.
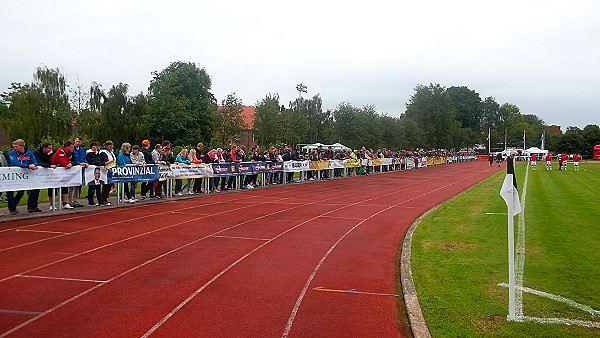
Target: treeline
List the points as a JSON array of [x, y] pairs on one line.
[[180, 107]]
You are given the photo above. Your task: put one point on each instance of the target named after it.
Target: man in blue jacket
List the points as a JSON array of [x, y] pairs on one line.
[[79, 159], [20, 156]]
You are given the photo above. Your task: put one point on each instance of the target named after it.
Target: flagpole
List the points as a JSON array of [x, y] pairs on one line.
[[489, 141], [543, 138], [524, 147], [505, 131], [512, 294]]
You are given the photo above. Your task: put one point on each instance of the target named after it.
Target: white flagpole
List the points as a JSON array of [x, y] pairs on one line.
[[489, 141], [512, 295]]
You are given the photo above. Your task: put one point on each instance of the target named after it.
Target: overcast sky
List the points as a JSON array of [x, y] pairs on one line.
[[543, 56]]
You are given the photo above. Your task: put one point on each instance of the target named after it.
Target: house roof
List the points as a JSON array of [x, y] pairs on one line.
[[247, 115]]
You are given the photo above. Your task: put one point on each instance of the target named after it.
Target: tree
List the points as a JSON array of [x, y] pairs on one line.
[[571, 141], [41, 109], [268, 120], [468, 107], [432, 107], [182, 108], [591, 137], [229, 120]]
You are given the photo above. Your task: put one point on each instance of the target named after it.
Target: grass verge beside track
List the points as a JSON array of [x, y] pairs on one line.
[[459, 256]]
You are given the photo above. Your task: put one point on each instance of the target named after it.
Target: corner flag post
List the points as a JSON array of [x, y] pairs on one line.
[[510, 195]]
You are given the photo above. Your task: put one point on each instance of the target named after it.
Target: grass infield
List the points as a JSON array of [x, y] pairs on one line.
[[459, 256]]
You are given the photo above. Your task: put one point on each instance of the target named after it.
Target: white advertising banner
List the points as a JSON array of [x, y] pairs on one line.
[[16, 178], [191, 171], [295, 166], [337, 164]]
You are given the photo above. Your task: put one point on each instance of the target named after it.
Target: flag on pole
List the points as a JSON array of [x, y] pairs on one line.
[[488, 137], [509, 191], [543, 139]]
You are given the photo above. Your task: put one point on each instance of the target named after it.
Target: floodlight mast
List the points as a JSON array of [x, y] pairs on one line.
[[301, 89]]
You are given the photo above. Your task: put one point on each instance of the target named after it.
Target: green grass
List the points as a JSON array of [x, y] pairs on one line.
[[460, 256]]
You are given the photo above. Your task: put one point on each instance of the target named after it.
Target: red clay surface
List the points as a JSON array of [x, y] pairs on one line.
[[258, 263]]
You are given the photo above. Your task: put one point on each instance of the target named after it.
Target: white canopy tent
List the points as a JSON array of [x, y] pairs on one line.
[[335, 147], [537, 151]]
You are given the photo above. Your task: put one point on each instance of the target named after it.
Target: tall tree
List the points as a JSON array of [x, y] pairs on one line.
[[41, 109], [431, 106], [268, 120], [229, 120], [182, 108]]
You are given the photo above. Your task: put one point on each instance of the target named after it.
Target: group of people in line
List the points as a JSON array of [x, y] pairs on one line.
[[563, 159], [72, 153]]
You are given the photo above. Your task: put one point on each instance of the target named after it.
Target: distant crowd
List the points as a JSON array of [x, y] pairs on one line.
[[73, 153]]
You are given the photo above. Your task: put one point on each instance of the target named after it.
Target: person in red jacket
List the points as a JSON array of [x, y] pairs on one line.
[[63, 157], [533, 162], [549, 161], [565, 158], [576, 160]]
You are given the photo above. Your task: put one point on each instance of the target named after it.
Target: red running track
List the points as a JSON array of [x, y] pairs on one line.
[[301, 260]]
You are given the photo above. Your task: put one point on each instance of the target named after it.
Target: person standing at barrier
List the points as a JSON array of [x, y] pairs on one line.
[[197, 188], [124, 159], [137, 158], [63, 157], [234, 157], [287, 156], [43, 155], [491, 159], [211, 157], [78, 159], [166, 157], [182, 158], [151, 158], [110, 160], [21, 157]]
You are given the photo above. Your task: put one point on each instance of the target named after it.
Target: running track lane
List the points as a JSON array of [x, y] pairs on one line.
[[299, 260]]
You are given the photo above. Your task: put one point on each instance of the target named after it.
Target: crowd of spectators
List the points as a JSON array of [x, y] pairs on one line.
[[99, 192]]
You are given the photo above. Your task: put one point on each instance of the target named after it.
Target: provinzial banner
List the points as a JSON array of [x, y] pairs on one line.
[[130, 173]]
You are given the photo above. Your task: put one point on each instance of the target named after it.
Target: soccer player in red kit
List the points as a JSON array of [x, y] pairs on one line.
[[533, 162], [549, 161]]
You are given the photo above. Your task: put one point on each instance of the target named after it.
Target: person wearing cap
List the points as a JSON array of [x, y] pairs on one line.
[[148, 159]]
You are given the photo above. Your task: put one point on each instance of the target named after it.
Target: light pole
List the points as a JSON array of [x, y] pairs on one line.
[[301, 89]]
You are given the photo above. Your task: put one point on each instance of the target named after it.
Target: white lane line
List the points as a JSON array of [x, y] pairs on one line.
[[565, 321], [557, 298], [63, 278], [239, 237], [31, 313]]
